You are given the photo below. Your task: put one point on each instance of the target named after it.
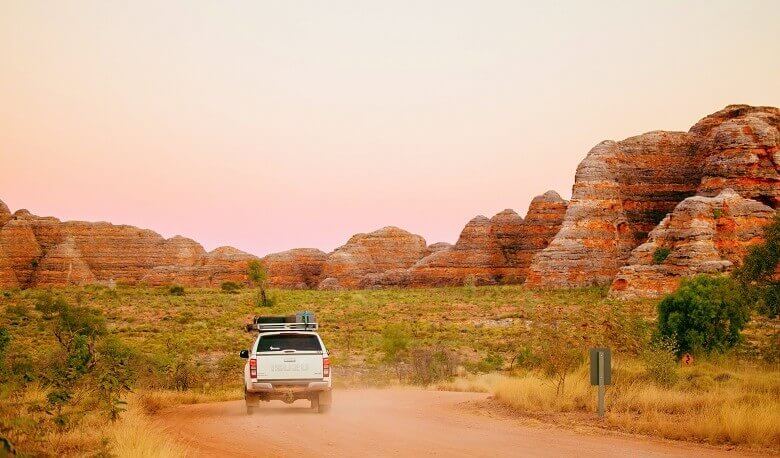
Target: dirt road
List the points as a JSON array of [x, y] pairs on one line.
[[397, 422]]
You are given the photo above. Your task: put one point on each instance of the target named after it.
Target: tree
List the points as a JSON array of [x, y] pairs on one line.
[[758, 274], [395, 346], [258, 276], [706, 314]]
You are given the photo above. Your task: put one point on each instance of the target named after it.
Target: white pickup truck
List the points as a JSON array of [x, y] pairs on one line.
[[288, 361]]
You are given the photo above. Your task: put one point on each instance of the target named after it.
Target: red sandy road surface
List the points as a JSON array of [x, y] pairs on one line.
[[392, 422]]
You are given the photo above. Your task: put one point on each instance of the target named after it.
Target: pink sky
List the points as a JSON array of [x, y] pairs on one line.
[[273, 125]]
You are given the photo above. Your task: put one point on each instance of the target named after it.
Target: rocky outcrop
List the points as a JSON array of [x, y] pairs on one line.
[[355, 264], [492, 251], [43, 251], [701, 235], [438, 246], [7, 274], [541, 224], [742, 149], [298, 268], [5, 213], [476, 257], [21, 249], [209, 270], [63, 265], [623, 189]]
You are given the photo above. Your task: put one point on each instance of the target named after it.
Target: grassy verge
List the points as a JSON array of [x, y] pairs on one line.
[[723, 403]]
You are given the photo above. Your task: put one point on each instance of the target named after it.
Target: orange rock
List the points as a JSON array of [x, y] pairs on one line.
[[621, 191], [63, 265], [7, 274], [701, 235], [386, 249], [742, 148], [5, 213], [297, 268], [476, 257], [21, 249], [492, 251]]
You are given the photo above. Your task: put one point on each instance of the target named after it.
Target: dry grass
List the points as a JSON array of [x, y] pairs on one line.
[[738, 406], [130, 436], [152, 402]]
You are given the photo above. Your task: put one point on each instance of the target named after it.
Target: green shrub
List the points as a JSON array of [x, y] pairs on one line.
[[230, 287], [395, 343], [660, 254], [176, 290], [757, 273], [490, 363], [661, 362], [706, 314], [717, 213]]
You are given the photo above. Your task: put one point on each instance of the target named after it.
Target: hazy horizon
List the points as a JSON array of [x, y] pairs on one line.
[[275, 125]]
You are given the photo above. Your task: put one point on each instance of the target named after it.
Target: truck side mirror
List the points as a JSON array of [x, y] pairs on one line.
[[244, 354]]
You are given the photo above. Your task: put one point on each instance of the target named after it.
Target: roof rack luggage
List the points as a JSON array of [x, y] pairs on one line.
[[301, 321]]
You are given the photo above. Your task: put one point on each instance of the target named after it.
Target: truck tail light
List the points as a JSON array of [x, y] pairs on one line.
[[253, 368], [326, 367]]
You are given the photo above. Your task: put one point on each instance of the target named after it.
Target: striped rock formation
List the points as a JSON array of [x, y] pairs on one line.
[[298, 268], [701, 235], [623, 189], [43, 251], [364, 256]]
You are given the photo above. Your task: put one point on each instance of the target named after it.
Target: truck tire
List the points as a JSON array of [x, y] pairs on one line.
[[315, 403], [324, 400], [250, 409]]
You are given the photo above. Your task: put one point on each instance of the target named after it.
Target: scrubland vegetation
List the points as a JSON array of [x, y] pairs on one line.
[[86, 369]]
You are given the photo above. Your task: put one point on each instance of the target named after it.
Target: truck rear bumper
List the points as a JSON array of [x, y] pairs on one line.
[[288, 386]]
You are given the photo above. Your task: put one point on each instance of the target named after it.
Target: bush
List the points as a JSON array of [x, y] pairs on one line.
[[395, 346], [757, 273], [490, 363], [661, 362], [230, 287], [429, 365], [660, 254], [176, 290], [706, 314]]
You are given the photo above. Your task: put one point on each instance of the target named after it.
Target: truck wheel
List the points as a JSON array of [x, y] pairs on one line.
[[324, 400], [315, 403], [250, 409]]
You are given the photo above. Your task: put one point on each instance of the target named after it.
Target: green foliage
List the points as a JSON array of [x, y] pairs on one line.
[[176, 290], [5, 340], [757, 273], [113, 374], [395, 342], [706, 314], [490, 363], [257, 274], [265, 300], [230, 287], [660, 360], [660, 254], [717, 213]]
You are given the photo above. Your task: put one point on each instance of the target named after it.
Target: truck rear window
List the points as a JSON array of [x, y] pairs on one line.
[[279, 342]]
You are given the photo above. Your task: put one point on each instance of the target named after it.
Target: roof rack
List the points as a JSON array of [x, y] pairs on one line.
[[301, 321]]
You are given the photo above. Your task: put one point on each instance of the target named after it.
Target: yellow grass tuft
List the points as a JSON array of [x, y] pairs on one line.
[[135, 434], [741, 407]]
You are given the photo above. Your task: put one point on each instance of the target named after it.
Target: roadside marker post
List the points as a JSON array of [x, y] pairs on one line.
[[601, 373]]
